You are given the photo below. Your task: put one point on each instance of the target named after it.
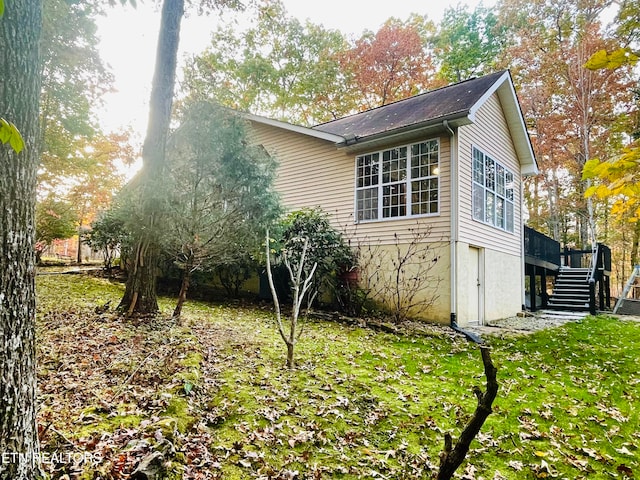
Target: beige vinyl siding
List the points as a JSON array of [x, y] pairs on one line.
[[490, 134], [311, 172], [314, 172]]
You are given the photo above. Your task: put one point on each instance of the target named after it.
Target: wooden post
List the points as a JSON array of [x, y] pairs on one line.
[[532, 288]]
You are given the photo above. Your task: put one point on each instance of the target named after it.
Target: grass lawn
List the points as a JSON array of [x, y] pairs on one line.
[[213, 396]]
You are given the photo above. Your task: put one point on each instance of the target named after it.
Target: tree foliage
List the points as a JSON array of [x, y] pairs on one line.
[[279, 67], [390, 64], [310, 230], [74, 82], [575, 114], [617, 177], [100, 174], [109, 236], [468, 44], [619, 181], [220, 197], [55, 220], [10, 134]]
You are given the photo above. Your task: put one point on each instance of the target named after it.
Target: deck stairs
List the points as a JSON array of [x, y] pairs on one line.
[[571, 290]]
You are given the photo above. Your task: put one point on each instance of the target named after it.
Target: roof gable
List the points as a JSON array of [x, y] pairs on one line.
[[453, 102]]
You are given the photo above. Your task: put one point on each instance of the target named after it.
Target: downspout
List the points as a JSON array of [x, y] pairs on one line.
[[453, 207], [522, 254], [453, 149]]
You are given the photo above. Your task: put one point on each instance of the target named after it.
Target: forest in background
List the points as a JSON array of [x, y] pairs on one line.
[[306, 74]]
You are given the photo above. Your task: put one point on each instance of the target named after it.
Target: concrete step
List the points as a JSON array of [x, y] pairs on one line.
[[562, 315]]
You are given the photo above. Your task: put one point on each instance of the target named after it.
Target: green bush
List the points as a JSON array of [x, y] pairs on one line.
[[326, 247]]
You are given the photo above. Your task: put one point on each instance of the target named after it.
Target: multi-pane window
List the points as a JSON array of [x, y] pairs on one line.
[[398, 182], [492, 192], [367, 186]]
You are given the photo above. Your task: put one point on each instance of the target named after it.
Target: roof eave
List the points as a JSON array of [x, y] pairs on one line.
[[529, 170], [329, 137], [506, 92], [521, 139], [454, 120]]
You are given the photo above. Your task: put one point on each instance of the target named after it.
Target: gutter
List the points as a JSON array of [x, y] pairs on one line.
[[522, 252], [460, 118]]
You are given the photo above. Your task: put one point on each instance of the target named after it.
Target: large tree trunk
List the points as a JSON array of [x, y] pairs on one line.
[[19, 96], [140, 293]]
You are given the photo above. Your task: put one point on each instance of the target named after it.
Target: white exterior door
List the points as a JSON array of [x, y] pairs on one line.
[[476, 273]]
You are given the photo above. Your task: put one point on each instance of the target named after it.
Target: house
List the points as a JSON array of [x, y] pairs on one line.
[[450, 160]]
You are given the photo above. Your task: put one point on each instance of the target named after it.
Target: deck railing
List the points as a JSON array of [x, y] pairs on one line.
[[544, 254], [541, 247]]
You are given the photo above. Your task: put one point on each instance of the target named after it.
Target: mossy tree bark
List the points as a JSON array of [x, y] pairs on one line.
[[20, 29], [140, 293]]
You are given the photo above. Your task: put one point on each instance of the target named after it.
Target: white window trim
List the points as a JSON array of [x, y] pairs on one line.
[[495, 192], [407, 182]]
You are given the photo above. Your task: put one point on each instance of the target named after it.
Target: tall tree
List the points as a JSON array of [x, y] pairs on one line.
[[569, 108], [391, 64], [98, 178], [20, 30], [617, 178], [278, 67], [467, 44], [140, 292]]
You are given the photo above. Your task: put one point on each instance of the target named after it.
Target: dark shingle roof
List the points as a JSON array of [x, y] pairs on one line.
[[446, 103]]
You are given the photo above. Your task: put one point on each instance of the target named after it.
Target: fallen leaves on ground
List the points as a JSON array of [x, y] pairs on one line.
[[212, 399]]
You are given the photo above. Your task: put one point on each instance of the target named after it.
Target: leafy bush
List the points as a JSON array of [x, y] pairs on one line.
[[326, 247], [109, 236], [54, 220]]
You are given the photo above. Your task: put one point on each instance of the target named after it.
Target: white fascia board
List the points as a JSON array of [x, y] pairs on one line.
[[330, 137], [503, 86], [497, 84]]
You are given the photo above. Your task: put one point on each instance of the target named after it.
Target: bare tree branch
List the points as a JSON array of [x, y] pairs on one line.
[[452, 457]]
